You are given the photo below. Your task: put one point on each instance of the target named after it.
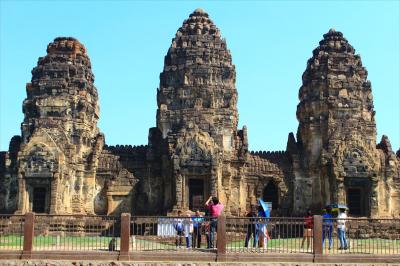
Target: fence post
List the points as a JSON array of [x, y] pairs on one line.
[[317, 237], [221, 238], [29, 234], [125, 236]]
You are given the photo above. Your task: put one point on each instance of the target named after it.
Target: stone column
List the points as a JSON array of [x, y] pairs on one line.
[[54, 194], [374, 200], [179, 191], [90, 182], [341, 192], [110, 203], [215, 180], [21, 194]]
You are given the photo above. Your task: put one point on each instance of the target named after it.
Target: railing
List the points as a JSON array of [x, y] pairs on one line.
[[128, 237], [11, 232], [262, 235], [173, 233], [362, 236], [80, 233]]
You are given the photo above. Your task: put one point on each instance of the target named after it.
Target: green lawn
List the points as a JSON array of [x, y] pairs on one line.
[[148, 243], [57, 243], [11, 241], [293, 245]]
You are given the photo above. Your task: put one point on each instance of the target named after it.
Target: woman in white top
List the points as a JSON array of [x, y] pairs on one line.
[[341, 228]]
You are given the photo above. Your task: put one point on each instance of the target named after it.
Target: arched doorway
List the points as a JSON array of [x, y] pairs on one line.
[[270, 194]]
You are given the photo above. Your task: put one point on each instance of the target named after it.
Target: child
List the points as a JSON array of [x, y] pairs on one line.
[[179, 230]]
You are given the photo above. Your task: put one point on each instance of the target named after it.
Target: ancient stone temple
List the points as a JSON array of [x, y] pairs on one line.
[[61, 164], [336, 158], [54, 162]]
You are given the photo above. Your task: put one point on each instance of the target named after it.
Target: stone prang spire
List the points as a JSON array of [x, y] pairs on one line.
[[60, 139], [197, 85], [337, 160], [61, 95], [336, 95], [197, 108]]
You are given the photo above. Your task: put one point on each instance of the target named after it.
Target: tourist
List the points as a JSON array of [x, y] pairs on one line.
[[327, 227], [188, 230], [308, 229], [197, 226], [251, 228], [215, 208], [179, 230], [341, 229], [261, 228], [206, 227]]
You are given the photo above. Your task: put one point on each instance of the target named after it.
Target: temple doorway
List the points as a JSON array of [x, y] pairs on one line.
[[39, 200], [355, 202], [196, 194], [270, 194]]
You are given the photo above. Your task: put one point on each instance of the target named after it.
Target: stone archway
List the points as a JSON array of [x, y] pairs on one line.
[[38, 179]]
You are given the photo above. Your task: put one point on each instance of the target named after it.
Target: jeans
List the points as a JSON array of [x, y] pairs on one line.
[[342, 238], [188, 241], [196, 237], [213, 230], [327, 232]]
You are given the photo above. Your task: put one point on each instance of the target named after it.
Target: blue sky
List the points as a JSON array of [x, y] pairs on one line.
[[270, 44]]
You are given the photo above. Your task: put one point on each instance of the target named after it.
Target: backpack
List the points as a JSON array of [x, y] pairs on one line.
[[179, 226]]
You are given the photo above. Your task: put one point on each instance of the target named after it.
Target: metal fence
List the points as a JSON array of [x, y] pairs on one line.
[[76, 233], [11, 232], [173, 233], [273, 235], [279, 235], [362, 236]]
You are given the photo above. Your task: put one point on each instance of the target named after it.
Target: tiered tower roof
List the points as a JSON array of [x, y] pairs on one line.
[[197, 85]]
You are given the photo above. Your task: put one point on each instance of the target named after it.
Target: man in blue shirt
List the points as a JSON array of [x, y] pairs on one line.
[[327, 228]]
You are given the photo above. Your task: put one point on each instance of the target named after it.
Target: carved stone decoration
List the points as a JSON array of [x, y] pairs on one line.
[[61, 165], [337, 160], [59, 131]]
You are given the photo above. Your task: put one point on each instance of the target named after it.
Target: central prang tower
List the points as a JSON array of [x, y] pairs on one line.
[[197, 86], [197, 114]]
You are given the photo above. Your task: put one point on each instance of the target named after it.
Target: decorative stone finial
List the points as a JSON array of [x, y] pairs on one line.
[[66, 45], [200, 11]]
